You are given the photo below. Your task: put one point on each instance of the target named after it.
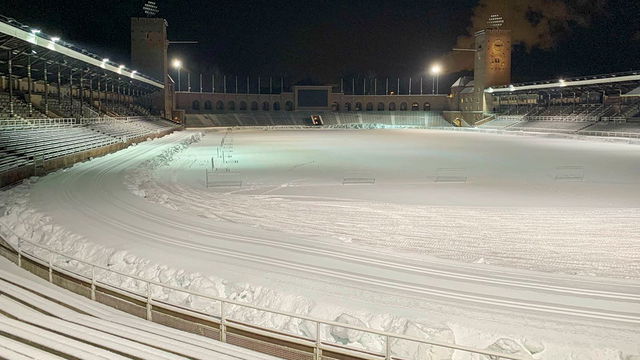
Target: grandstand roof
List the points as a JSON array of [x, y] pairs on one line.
[[24, 44], [615, 82]]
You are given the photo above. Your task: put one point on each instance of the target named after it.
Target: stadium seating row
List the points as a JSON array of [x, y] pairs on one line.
[[42, 321]]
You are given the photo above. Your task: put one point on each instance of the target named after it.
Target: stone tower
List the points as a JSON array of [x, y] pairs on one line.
[[492, 66], [149, 46]]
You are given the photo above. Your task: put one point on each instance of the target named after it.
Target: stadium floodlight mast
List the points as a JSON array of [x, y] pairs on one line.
[[177, 64], [436, 69]]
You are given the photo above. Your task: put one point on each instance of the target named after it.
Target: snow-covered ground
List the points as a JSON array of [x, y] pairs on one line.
[[492, 241]]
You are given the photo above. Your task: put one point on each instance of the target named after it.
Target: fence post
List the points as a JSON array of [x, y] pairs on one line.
[[50, 266], [223, 327], [19, 253], [93, 282], [318, 342], [148, 301], [387, 355]]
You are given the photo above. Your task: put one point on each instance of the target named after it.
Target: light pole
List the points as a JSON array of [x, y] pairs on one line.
[[177, 64], [436, 69]]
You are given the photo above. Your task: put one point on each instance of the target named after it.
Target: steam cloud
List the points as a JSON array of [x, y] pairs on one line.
[[533, 23]]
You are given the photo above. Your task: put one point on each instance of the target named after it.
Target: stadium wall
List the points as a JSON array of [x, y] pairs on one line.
[[203, 103]]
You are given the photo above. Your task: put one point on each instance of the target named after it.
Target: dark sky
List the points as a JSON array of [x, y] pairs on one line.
[[324, 40]]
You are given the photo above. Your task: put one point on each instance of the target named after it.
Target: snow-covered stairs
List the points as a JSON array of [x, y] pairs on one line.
[[38, 321]]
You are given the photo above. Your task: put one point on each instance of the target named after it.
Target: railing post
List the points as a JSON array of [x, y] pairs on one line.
[[387, 355], [50, 266], [19, 253], [318, 342], [93, 282], [223, 326], [149, 301]]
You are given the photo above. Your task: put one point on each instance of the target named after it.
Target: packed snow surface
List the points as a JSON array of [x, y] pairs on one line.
[[525, 245]]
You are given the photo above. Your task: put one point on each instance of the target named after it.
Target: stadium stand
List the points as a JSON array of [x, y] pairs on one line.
[[20, 108], [630, 126], [24, 141], [503, 121], [43, 321]]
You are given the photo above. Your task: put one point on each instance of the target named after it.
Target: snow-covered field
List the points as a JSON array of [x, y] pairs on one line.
[[528, 245]]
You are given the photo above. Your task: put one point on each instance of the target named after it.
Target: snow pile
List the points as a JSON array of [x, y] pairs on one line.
[[140, 178]]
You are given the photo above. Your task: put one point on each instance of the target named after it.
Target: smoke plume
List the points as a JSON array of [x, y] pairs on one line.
[[533, 23]]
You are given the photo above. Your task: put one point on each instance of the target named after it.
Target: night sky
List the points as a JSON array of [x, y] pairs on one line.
[[321, 41]]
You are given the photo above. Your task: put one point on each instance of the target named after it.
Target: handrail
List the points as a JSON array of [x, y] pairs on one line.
[[388, 336]]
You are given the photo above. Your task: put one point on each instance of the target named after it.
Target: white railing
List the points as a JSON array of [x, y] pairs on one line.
[[562, 118], [9, 124], [223, 317]]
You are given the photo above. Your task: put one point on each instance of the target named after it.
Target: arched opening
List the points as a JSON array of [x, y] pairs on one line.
[[335, 106], [392, 106], [195, 105], [415, 107], [243, 105], [369, 107], [288, 106], [219, 105], [276, 106], [358, 106], [207, 105], [347, 107], [380, 106], [403, 106], [265, 106], [254, 106], [426, 107], [231, 105]]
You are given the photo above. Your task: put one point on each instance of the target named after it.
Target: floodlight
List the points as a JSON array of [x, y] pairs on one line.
[[105, 60], [436, 69], [563, 82], [176, 63], [35, 31], [55, 39]]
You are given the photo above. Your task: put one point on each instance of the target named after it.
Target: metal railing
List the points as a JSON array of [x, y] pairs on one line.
[[10, 124], [223, 318]]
